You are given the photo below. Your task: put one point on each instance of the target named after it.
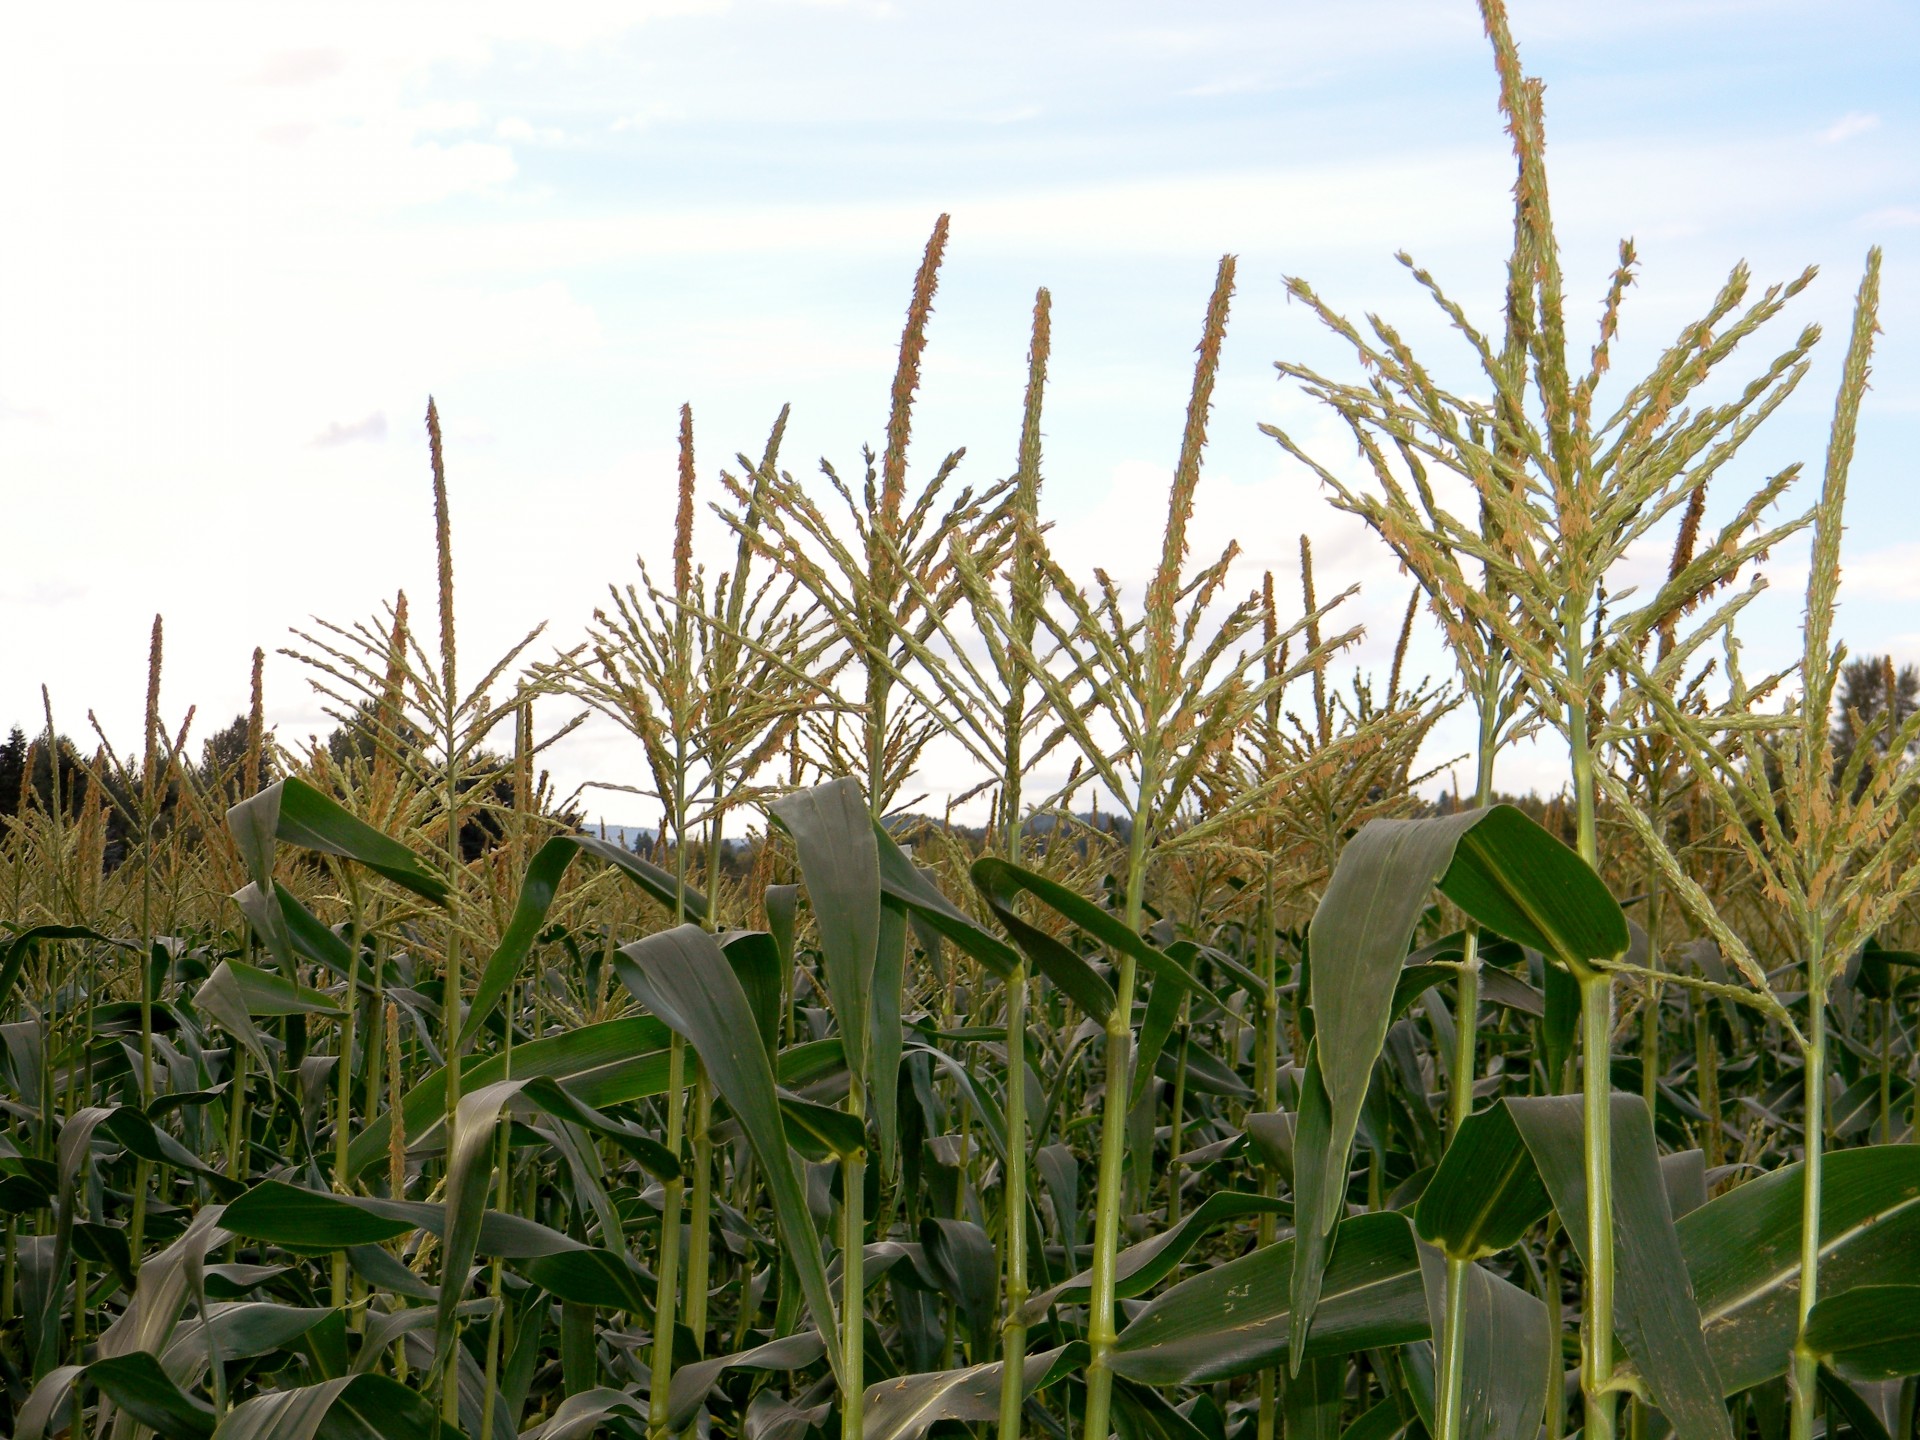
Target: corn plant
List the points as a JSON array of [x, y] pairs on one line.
[[1229, 1087]]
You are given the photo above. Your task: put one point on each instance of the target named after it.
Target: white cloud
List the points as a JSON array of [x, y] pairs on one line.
[[1854, 122], [369, 427], [518, 128], [1891, 572]]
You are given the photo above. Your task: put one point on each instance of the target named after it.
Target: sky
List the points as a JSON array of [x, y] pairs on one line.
[[246, 242]]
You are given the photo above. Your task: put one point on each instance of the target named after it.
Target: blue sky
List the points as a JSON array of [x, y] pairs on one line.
[[247, 242]]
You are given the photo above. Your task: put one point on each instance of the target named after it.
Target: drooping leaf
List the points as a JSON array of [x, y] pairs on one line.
[[21, 948], [1077, 980], [908, 1407], [1507, 1349], [603, 1064], [1000, 879], [1871, 1332], [832, 834], [683, 970], [1506, 873], [538, 888], [293, 812], [1743, 1251], [755, 958], [355, 1407], [961, 1255], [1654, 1308], [1138, 1268], [1235, 1318], [1486, 1192], [692, 1384]]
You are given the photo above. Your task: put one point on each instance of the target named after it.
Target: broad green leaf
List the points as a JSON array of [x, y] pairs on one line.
[[292, 811], [884, 1037], [1517, 879], [538, 887], [603, 1064], [999, 884], [755, 957], [691, 1384], [1506, 873], [1140, 1413], [1163, 1012], [21, 948], [559, 1101], [685, 973], [356, 1407], [148, 1141], [48, 1399], [236, 992], [1311, 1404], [782, 905], [135, 1383], [318, 1221], [315, 1222], [585, 1412], [1320, 1164], [469, 1181], [1654, 1309], [1486, 1192], [832, 836], [819, 1131], [1864, 1419], [1743, 1251], [908, 1407], [959, 1253], [1871, 1332], [902, 883], [998, 880], [1508, 1348], [303, 1219], [1138, 1268], [291, 930], [1235, 1318]]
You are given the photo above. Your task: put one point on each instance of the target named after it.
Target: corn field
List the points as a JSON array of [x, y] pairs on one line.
[[1229, 1090]]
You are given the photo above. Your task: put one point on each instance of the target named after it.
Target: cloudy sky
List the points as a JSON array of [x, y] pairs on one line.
[[245, 242]]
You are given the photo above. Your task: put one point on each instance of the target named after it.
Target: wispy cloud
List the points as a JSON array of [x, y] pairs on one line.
[[1854, 122], [1890, 573], [519, 129], [368, 427]]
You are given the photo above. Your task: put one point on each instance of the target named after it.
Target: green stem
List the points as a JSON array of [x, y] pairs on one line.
[[1266, 1086], [1013, 1328], [1449, 1403], [1706, 1064], [1806, 1365], [1101, 1333], [343, 1117], [1174, 1126], [1650, 1015], [667, 1286], [1596, 1015], [853, 1294], [699, 1219], [1550, 1287], [1466, 1034], [452, 982]]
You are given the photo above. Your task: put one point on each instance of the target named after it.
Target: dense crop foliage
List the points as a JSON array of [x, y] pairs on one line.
[[1228, 1091]]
